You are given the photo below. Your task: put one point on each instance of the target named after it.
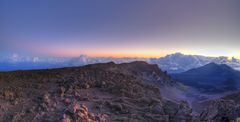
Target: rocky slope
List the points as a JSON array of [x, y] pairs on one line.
[[223, 109], [99, 92], [108, 92]]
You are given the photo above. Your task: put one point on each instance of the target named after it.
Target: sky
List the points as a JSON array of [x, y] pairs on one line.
[[120, 28]]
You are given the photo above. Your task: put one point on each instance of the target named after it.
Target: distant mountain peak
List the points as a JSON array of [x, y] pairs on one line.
[[176, 54], [212, 64], [211, 68], [179, 62], [212, 77], [220, 65]]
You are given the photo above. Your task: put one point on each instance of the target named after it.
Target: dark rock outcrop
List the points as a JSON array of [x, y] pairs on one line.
[[220, 111]]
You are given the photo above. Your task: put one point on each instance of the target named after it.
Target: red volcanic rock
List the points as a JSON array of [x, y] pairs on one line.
[[220, 110], [67, 101], [76, 107], [66, 118], [46, 99], [79, 113], [94, 93]]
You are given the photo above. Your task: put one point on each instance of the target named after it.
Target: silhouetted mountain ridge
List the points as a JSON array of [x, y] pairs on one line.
[[173, 63], [212, 69], [211, 77]]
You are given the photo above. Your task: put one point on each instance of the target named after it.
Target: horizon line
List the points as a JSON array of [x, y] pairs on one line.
[[144, 57]]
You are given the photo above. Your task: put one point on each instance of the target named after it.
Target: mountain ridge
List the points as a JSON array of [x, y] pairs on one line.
[[173, 63], [211, 77]]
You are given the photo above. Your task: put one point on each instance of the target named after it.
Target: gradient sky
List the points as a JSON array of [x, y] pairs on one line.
[[120, 28]]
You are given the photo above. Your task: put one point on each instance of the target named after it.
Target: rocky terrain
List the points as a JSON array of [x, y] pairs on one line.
[[224, 109], [109, 92]]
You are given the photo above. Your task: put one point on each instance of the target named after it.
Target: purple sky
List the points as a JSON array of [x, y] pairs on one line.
[[142, 28]]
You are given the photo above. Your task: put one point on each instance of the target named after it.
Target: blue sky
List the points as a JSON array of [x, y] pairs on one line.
[[138, 28]]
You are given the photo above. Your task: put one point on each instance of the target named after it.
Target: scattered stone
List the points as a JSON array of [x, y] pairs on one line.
[[66, 118], [67, 101], [9, 95], [220, 110], [46, 99], [62, 91]]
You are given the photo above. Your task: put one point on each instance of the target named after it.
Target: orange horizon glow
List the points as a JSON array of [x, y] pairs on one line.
[[132, 54], [113, 55]]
